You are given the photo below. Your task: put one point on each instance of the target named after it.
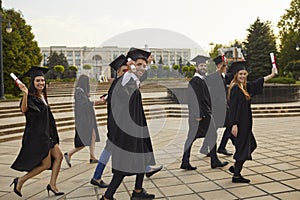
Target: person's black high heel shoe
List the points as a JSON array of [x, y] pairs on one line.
[[56, 193], [15, 182]]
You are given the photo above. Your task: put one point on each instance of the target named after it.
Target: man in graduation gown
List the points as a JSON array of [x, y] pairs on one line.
[[128, 133], [200, 118], [217, 84]]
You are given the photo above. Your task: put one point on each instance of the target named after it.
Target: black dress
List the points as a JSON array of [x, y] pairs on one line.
[[128, 132], [40, 135], [85, 119], [240, 114]]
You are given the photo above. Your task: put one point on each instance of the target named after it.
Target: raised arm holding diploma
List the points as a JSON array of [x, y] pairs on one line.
[[18, 82], [273, 62]]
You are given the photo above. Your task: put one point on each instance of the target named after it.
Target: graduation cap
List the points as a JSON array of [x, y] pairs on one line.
[[218, 60], [237, 66], [200, 59], [118, 62], [135, 54], [35, 71]]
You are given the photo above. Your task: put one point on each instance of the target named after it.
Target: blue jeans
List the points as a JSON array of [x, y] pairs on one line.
[[104, 157]]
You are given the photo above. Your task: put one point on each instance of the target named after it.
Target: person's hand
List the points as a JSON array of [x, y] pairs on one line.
[[102, 101], [234, 130], [99, 102], [23, 88], [199, 119]]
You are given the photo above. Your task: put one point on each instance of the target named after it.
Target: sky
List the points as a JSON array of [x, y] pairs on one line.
[[90, 23]]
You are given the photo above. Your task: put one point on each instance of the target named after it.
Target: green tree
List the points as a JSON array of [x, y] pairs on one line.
[[214, 51], [289, 35], [59, 69], [20, 50], [259, 43], [56, 59]]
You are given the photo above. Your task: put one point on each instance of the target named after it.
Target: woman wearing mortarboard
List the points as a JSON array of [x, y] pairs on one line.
[[86, 131], [240, 116], [40, 144]]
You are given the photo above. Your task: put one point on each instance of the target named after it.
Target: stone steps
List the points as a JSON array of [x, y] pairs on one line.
[[65, 119]]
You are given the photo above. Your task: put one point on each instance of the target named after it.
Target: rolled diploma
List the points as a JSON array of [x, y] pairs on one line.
[[273, 62], [15, 78], [132, 67]]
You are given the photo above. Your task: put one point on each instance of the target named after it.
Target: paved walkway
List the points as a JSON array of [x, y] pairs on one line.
[[274, 171]]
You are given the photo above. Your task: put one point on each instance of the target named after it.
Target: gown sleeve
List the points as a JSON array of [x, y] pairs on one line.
[[255, 87]]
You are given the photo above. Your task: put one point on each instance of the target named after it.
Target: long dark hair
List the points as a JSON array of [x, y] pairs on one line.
[[84, 83], [33, 91]]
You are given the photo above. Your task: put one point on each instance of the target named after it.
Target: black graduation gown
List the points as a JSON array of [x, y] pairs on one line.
[[128, 133], [217, 93], [199, 105], [85, 119], [40, 135], [240, 113]]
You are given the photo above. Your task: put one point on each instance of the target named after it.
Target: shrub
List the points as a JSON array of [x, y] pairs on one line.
[[87, 66], [176, 67], [154, 67], [185, 68], [59, 68], [166, 68], [283, 80], [73, 68]]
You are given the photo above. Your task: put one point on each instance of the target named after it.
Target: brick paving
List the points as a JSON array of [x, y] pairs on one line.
[[274, 170]]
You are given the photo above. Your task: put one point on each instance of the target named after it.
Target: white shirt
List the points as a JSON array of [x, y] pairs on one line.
[[127, 76], [200, 76]]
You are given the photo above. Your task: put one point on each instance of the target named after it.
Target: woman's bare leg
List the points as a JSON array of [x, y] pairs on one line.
[[46, 164], [58, 157]]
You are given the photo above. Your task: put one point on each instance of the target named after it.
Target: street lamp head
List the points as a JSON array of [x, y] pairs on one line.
[[8, 28]]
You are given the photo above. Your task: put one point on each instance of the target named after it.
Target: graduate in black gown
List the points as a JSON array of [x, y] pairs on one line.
[[240, 116], [40, 144], [201, 122], [86, 129], [120, 65], [217, 83], [128, 133]]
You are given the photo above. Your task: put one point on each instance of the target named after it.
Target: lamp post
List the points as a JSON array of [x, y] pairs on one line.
[[8, 30]]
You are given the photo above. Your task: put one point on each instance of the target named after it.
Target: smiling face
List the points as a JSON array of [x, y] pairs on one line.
[[140, 65], [242, 76], [39, 83]]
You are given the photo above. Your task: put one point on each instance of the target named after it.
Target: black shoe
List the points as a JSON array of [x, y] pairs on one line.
[[153, 171], [187, 166], [56, 193], [66, 155], [15, 182], [92, 161], [240, 179], [231, 169], [218, 164], [225, 152], [141, 195], [102, 184], [102, 198]]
